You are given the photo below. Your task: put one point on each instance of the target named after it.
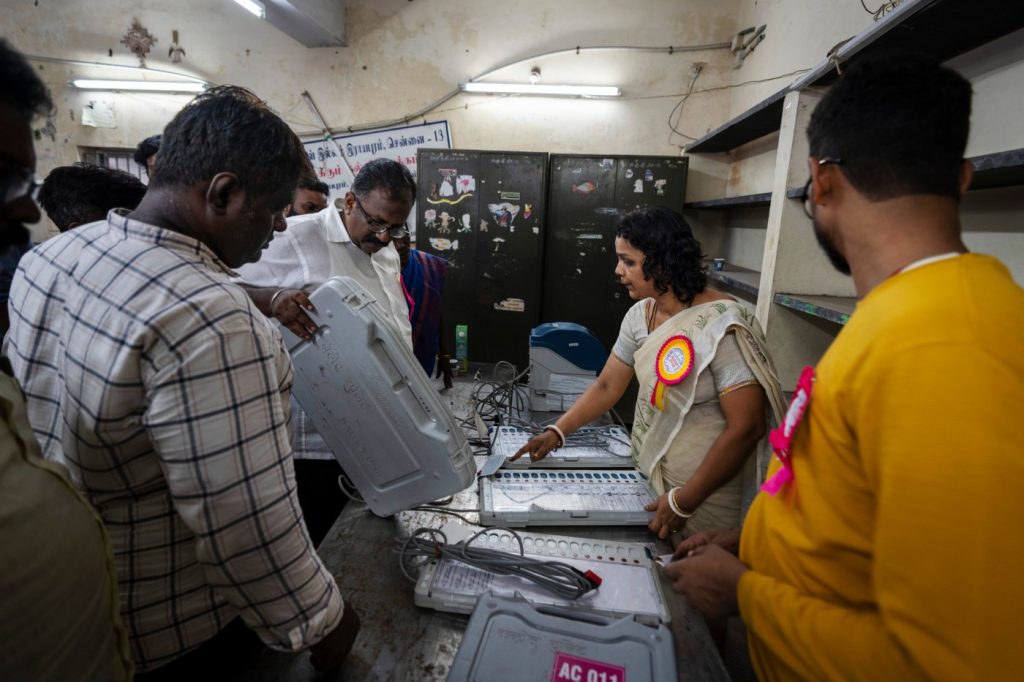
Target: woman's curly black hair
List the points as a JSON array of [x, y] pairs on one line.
[[672, 256]]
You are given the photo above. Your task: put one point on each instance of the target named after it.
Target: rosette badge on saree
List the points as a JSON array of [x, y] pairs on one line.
[[674, 363]]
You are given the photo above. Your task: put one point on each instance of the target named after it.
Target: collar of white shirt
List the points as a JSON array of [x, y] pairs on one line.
[[334, 227]]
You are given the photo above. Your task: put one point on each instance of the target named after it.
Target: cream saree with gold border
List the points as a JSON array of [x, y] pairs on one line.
[[668, 446]]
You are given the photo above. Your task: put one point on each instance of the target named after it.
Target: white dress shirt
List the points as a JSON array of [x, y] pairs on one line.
[[316, 247]]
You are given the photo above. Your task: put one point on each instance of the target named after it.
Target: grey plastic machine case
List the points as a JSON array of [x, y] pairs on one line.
[[508, 640], [369, 398]]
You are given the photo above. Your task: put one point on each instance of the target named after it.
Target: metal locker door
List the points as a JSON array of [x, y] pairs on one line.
[[511, 195], [446, 185], [651, 181], [579, 257]]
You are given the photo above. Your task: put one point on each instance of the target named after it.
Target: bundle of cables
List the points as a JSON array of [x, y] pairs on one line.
[[429, 544]]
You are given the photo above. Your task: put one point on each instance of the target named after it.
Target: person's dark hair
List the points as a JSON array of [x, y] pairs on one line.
[[390, 177], [899, 123], [20, 87], [229, 129], [86, 192], [315, 186], [146, 149], [672, 256]]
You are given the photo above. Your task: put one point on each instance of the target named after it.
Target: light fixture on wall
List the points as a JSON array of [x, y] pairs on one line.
[[544, 90], [139, 86], [254, 6]]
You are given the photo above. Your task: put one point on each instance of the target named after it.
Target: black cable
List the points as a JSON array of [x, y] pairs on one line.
[[559, 578]]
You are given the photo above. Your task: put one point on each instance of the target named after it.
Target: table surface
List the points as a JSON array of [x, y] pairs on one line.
[[402, 642]]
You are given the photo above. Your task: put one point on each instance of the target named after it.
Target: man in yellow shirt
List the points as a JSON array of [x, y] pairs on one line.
[[890, 550]]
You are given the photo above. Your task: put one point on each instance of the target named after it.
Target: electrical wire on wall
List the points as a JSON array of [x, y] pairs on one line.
[[579, 49], [686, 95], [882, 10], [677, 110]]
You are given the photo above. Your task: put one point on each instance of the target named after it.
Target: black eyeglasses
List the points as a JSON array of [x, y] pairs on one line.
[[805, 197], [379, 226], [18, 182]]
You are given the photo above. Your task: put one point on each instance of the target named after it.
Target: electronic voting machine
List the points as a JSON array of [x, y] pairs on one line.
[[630, 584], [508, 640], [569, 497], [370, 400], [601, 447]]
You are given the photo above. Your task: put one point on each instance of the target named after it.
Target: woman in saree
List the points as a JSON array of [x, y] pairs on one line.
[[708, 390]]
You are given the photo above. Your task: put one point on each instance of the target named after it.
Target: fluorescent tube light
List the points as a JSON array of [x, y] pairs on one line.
[[255, 7], [142, 86], [537, 89]]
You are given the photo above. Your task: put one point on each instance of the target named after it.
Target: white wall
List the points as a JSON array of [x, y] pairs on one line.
[[400, 56], [800, 34]]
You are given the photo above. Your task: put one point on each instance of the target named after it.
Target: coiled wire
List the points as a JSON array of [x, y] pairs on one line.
[[429, 544]]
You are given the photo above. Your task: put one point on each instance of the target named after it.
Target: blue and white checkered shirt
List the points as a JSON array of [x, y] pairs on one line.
[[167, 391]]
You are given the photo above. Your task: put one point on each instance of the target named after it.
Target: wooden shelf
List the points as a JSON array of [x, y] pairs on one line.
[[942, 28], [748, 281], [832, 308], [1000, 169], [763, 118], [763, 199]]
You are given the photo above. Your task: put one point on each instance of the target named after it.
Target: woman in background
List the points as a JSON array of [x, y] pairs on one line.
[[708, 390]]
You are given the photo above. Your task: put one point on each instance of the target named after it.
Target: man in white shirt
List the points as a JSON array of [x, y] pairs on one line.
[[173, 398], [352, 239]]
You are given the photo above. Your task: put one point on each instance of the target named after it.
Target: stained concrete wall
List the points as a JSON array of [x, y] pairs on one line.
[[401, 56]]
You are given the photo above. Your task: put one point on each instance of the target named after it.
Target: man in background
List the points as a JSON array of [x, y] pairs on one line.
[[84, 193], [423, 277], [59, 612], [310, 197], [352, 238], [73, 196], [888, 548], [172, 392], [146, 151]]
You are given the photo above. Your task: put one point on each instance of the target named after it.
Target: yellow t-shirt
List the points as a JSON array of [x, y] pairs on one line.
[[59, 607], [897, 553]]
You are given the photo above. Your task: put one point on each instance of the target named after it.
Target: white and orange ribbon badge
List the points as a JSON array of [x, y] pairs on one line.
[[781, 438], [674, 363]]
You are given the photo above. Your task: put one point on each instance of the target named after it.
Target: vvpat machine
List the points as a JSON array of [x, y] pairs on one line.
[[369, 398], [565, 359]]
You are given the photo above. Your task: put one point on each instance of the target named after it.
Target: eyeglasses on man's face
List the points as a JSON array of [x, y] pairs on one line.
[[378, 226], [805, 197]]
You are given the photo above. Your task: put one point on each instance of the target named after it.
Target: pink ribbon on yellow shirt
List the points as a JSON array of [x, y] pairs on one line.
[[781, 438]]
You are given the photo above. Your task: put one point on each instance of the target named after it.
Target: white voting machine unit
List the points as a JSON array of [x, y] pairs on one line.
[[582, 497], [605, 446], [368, 397], [630, 585], [508, 640]]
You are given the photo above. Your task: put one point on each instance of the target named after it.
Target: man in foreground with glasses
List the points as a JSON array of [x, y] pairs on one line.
[[885, 544], [353, 239]]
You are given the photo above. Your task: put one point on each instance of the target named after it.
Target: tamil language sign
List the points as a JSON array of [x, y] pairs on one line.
[[399, 144]]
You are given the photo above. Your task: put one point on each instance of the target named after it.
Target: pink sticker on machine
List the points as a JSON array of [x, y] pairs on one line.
[[575, 669]]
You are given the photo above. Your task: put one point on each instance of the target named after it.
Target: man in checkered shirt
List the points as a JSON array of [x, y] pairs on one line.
[[171, 397]]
